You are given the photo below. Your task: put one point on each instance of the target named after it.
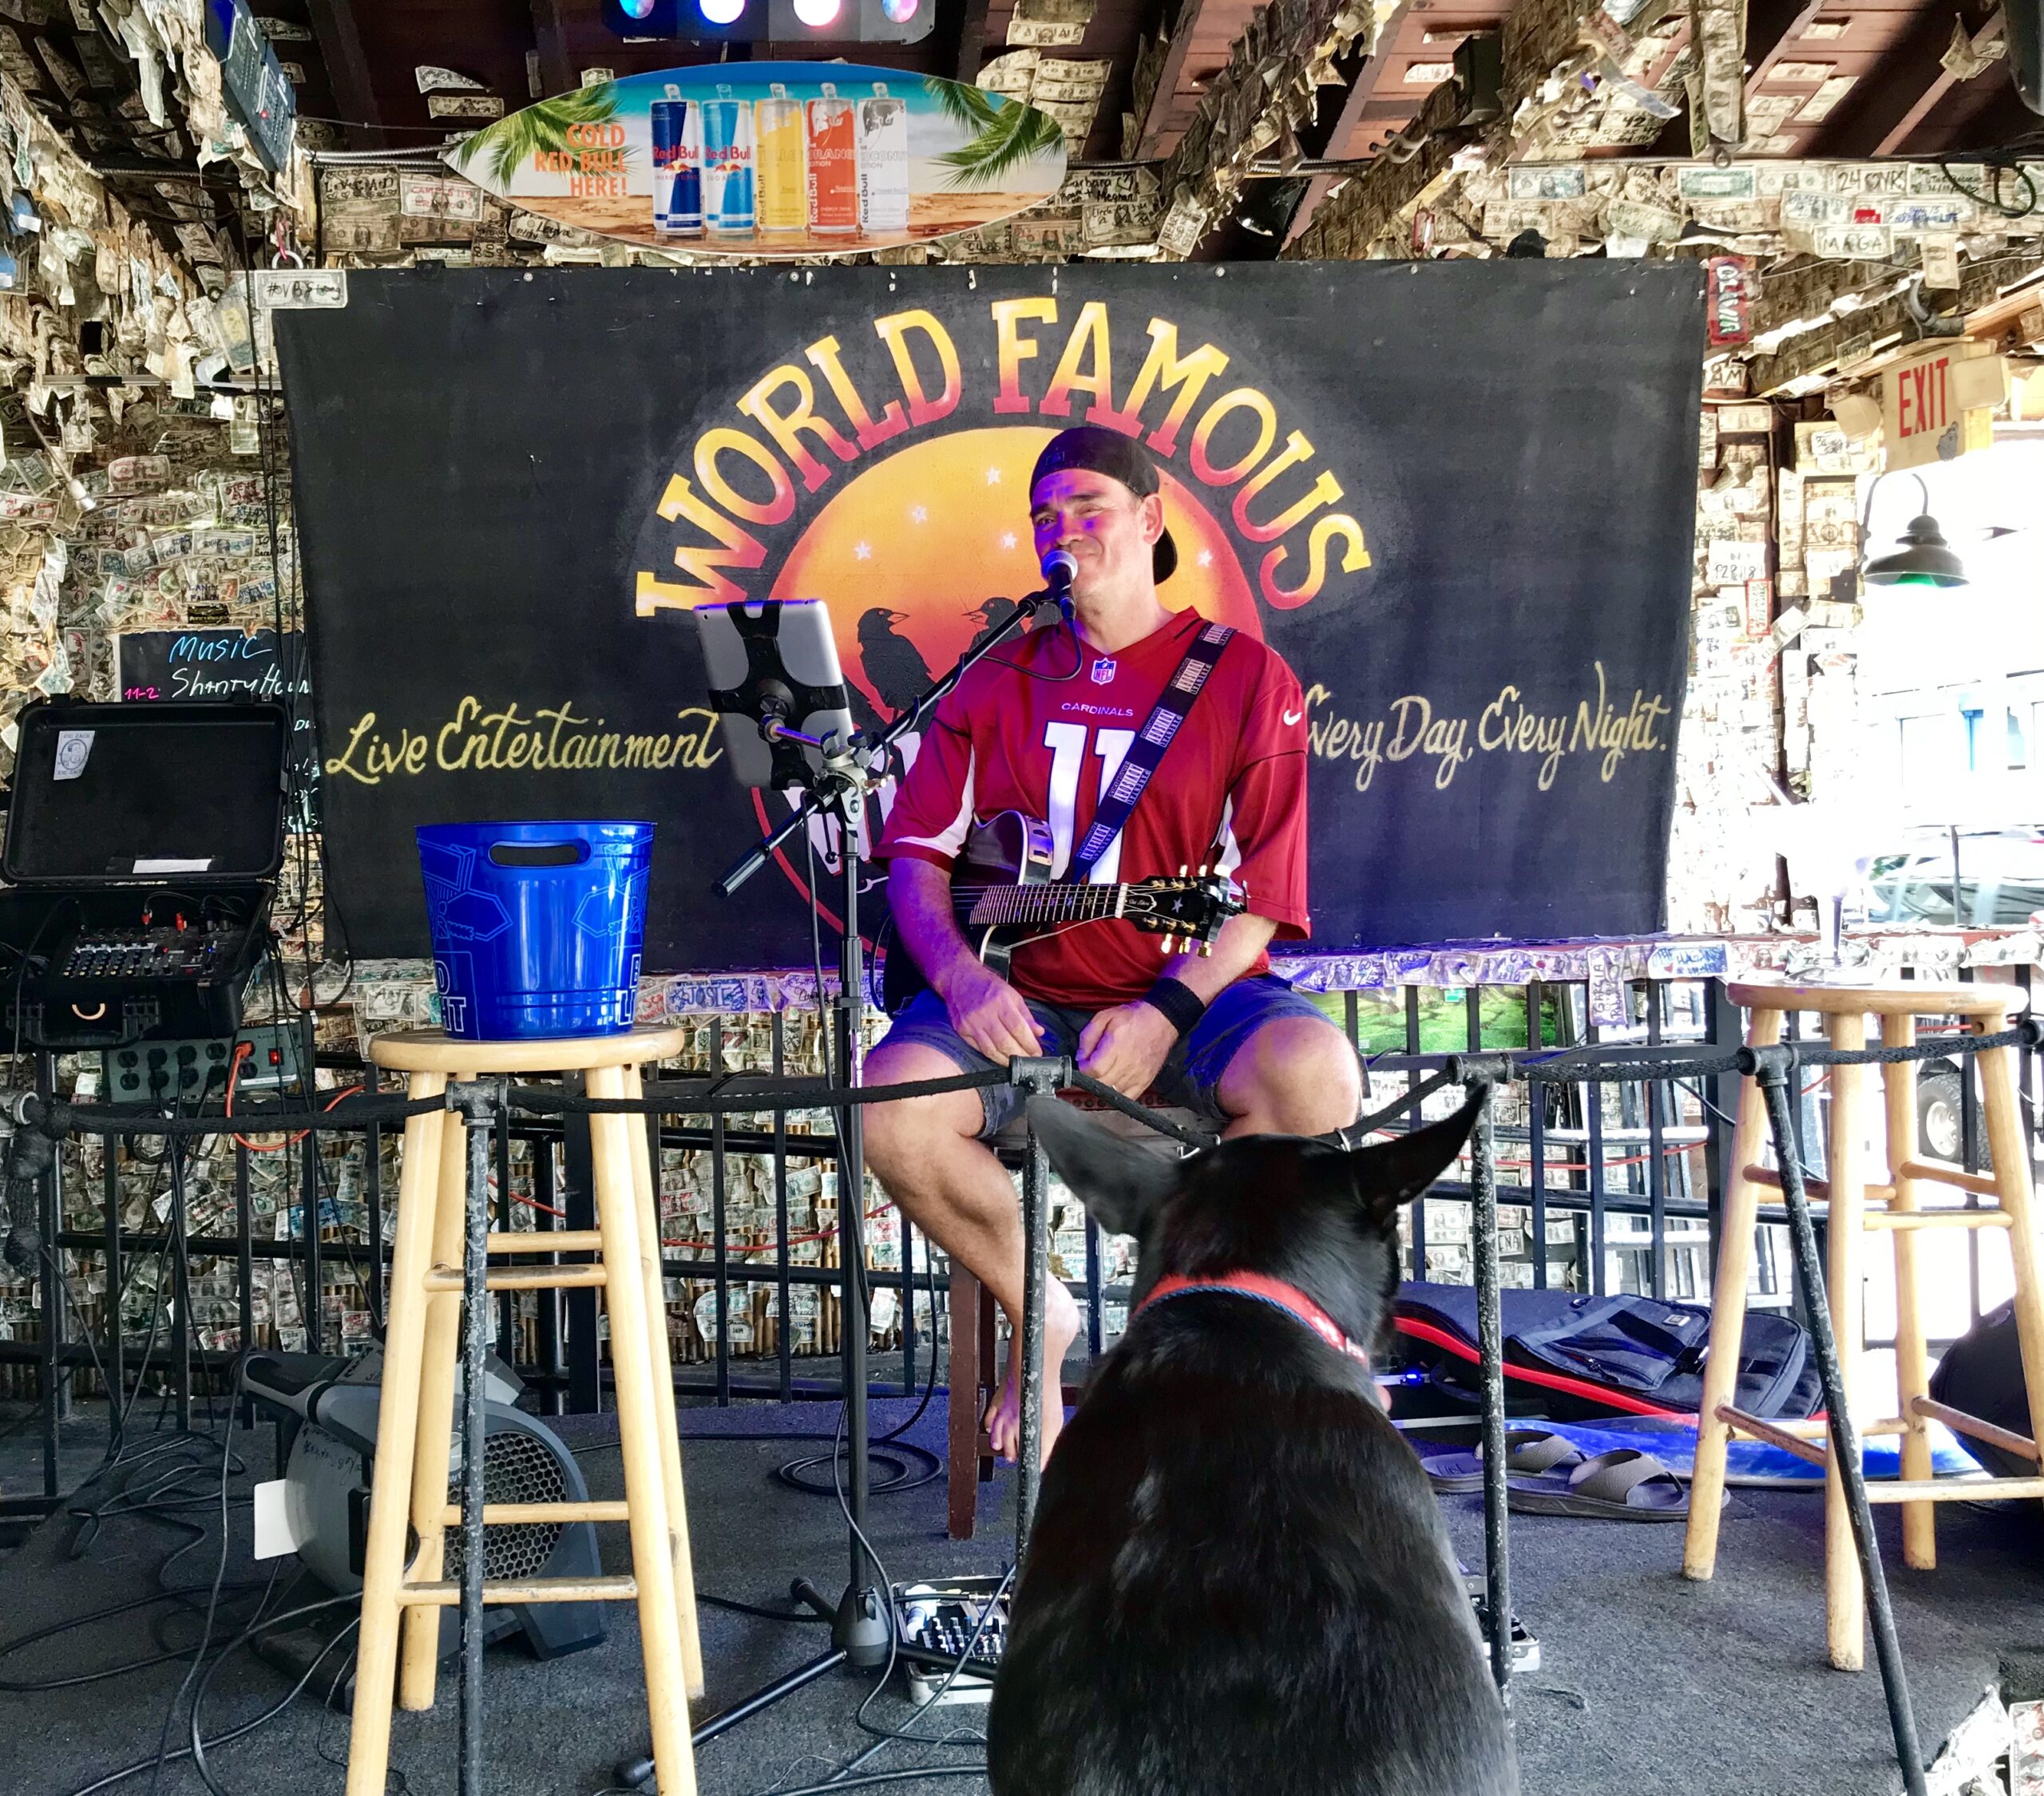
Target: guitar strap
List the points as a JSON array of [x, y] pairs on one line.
[[1173, 705]]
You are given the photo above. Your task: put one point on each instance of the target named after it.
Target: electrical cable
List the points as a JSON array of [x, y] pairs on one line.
[[242, 1729], [219, 1574], [1992, 201]]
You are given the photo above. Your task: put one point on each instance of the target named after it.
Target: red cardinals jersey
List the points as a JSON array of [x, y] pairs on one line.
[[1230, 790]]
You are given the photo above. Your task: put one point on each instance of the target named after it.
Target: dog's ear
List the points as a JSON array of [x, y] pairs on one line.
[[1119, 1182], [1393, 1172]]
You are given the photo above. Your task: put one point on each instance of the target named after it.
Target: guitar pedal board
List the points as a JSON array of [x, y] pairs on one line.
[[936, 1622]]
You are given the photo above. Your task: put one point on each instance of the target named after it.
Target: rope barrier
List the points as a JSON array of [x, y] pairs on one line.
[[735, 1092]]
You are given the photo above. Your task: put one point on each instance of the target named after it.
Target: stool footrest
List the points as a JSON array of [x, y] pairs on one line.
[[1936, 1219], [1818, 1188], [1816, 1428], [1940, 1172], [444, 1278], [509, 1515], [1953, 1490], [1959, 1422], [446, 1593], [1779, 1437], [558, 1240]]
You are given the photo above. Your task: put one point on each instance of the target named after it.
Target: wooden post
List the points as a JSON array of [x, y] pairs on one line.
[[962, 1404], [1845, 1594], [653, 1549], [432, 1453], [647, 1182], [2009, 1148], [1912, 1362], [384, 1558], [1739, 1217]]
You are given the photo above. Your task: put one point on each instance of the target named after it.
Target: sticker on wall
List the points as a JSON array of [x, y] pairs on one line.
[[770, 159]]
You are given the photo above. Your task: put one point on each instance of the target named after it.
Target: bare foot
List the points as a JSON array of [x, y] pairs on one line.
[[1004, 1416]]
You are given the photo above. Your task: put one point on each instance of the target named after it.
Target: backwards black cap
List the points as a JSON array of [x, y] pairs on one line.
[[1120, 458]]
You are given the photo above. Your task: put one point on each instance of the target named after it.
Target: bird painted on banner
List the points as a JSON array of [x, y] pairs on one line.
[[992, 615], [893, 667]]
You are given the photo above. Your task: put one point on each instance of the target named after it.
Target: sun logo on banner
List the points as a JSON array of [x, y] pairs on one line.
[[920, 555]]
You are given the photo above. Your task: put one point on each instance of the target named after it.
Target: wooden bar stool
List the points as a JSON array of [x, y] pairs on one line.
[[421, 1353], [975, 1375], [1858, 1205]]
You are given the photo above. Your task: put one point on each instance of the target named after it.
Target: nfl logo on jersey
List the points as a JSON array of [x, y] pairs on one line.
[[1103, 672]]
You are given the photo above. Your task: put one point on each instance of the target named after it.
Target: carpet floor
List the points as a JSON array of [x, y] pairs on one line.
[[1648, 1683]]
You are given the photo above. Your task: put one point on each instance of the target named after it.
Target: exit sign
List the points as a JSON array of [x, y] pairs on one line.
[[1930, 407]]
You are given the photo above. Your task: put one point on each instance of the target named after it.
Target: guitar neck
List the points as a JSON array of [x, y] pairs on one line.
[[1033, 905]]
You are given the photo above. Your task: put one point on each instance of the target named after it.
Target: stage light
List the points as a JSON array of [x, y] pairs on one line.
[[817, 13], [722, 12], [897, 12], [636, 8]]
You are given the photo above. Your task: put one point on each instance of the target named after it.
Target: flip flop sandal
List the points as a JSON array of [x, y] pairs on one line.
[[1530, 1452], [1622, 1485]]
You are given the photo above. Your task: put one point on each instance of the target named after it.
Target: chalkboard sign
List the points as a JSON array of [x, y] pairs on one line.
[[227, 663]]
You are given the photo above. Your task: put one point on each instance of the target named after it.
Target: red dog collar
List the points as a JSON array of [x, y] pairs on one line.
[[1264, 1290]]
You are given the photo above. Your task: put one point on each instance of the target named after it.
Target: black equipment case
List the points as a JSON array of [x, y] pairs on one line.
[[142, 846]]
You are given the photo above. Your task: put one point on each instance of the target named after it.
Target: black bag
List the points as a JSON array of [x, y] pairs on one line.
[[1982, 1373], [1588, 1356]]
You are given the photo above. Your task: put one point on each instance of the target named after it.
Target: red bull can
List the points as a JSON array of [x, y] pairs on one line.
[[728, 208], [677, 130]]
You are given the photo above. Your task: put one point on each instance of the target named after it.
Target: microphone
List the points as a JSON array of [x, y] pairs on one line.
[[1060, 568]]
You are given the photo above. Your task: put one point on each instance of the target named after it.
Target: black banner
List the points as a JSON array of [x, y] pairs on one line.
[[1457, 496]]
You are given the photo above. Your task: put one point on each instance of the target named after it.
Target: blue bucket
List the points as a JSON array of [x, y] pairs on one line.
[[537, 926]]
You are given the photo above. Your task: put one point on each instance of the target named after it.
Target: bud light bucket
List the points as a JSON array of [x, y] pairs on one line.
[[727, 204], [676, 124], [537, 926]]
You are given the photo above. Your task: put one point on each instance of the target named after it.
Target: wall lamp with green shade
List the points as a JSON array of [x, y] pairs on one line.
[[1924, 558]]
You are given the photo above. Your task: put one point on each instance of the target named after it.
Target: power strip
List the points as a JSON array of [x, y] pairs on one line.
[[197, 1069]]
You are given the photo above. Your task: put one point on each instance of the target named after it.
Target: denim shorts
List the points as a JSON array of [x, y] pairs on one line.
[[1190, 1077]]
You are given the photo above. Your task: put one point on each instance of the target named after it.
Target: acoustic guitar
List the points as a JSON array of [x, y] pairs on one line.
[[1003, 893]]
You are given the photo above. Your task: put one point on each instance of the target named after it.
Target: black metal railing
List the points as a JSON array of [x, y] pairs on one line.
[[1588, 1153]]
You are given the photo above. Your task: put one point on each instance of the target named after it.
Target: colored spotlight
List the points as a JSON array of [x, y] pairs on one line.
[[722, 12], [636, 8], [898, 12], [817, 13]]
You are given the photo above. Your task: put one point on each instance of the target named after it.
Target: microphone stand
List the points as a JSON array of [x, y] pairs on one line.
[[861, 1623]]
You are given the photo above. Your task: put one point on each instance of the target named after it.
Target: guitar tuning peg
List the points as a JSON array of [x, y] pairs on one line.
[[1181, 869]]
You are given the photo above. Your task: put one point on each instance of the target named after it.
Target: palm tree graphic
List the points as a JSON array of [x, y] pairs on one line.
[[1005, 133]]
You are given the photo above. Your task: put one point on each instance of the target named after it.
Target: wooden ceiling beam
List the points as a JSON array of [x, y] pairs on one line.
[[557, 72], [972, 40], [1540, 37], [1835, 346], [1174, 21], [1890, 102], [1348, 120], [347, 69]]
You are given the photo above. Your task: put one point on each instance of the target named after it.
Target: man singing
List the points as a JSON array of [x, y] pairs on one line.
[[1042, 728]]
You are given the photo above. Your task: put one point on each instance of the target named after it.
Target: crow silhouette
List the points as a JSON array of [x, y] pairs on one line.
[[892, 665], [992, 615]]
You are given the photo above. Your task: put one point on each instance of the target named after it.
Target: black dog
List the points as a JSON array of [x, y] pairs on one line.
[[1238, 1585]]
